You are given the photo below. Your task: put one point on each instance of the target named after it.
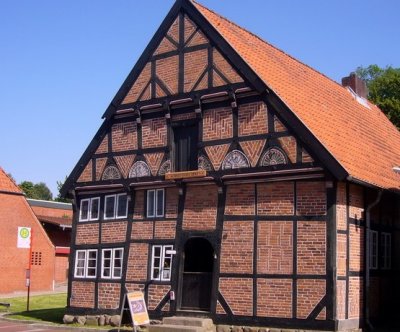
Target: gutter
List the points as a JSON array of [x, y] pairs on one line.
[[370, 327]]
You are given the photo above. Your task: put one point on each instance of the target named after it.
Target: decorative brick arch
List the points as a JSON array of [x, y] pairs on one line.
[[274, 156], [139, 169], [235, 159], [111, 173]]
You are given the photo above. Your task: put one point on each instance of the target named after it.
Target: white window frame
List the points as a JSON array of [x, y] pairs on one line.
[[386, 246], [112, 263], [154, 213], [373, 245], [90, 202], [116, 202], [160, 267], [86, 264], [117, 205]]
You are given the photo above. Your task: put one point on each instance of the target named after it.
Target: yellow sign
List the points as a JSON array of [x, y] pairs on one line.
[[138, 309], [184, 175]]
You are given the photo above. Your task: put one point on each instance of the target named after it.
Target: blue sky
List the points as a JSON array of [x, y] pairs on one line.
[[61, 62]]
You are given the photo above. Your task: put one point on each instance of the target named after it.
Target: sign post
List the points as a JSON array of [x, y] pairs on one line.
[[25, 240], [137, 308]]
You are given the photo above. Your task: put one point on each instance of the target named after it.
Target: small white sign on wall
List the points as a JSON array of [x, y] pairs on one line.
[[24, 237]]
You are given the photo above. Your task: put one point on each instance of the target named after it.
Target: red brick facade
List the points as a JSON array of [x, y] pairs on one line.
[[260, 223]]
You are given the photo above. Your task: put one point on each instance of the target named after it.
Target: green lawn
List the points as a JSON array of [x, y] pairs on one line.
[[47, 308]]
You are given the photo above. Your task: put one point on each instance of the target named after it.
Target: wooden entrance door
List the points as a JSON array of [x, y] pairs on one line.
[[197, 275]]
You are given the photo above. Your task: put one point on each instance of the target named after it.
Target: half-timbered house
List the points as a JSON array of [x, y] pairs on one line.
[[228, 179]]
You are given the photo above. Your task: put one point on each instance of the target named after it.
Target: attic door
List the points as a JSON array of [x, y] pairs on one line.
[[185, 146]]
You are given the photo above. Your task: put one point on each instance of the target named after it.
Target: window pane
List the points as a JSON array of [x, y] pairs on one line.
[[84, 210], [157, 251], [150, 203], [122, 205], [160, 202], [156, 273], [95, 207], [110, 207]]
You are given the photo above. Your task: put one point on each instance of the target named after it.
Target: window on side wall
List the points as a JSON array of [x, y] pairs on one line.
[[155, 203], [89, 209], [85, 263], [161, 262], [373, 250], [116, 206], [386, 249], [111, 266]]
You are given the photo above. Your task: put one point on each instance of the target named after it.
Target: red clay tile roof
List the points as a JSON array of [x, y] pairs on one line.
[[361, 139], [60, 221], [7, 184]]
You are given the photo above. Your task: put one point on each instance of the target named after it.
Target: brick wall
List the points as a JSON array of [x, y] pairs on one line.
[[341, 299], [82, 294], [156, 294], [165, 229], [355, 297], [109, 295], [217, 124], [238, 293], [356, 248], [356, 202], [154, 133], [275, 247], [253, 119], [309, 294], [167, 72], [311, 198], [171, 206], [103, 146], [142, 230], [275, 198], [195, 64], [87, 233], [124, 136], [137, 262], [311, 247], [240, 200], [114, 231], [274, 298], [138, 212], [200, 208], [341, 254], [289, 145], [86, 174], [341, 206], [139, 85], [237, 247]]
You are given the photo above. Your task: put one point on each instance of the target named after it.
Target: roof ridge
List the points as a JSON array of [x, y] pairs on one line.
[[12, 181], [264, 41]]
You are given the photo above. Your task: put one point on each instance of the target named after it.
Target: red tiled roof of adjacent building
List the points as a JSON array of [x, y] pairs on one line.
[[359, 137], [7, 184], [60, 221]]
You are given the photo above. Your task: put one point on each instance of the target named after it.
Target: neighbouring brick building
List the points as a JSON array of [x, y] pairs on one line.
[[49, 258], [231, 180], [56, 219]]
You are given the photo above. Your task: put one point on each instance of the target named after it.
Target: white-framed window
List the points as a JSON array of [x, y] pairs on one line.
[[85, 263], [386, 248], [155, 203], [116, 206], [373, 250], [111, 263], [161, 262], [90, 209]]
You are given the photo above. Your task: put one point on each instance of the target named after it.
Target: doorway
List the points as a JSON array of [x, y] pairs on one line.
[[197, 274]]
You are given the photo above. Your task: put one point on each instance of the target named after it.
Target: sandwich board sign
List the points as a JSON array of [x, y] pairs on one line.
[[24, 237], [138, 309]]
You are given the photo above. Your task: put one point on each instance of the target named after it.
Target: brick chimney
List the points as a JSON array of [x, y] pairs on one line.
[[356, 84]]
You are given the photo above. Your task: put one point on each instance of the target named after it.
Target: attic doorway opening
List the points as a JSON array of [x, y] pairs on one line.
[[197, 275]]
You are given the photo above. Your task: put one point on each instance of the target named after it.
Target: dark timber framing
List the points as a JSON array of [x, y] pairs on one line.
[[322, 168]]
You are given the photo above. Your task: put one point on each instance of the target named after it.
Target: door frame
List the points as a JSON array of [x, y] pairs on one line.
[[212, 239]]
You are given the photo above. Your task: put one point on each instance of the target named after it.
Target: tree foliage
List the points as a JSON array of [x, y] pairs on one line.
[[59, 198], [384, 89], [36, 190]]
